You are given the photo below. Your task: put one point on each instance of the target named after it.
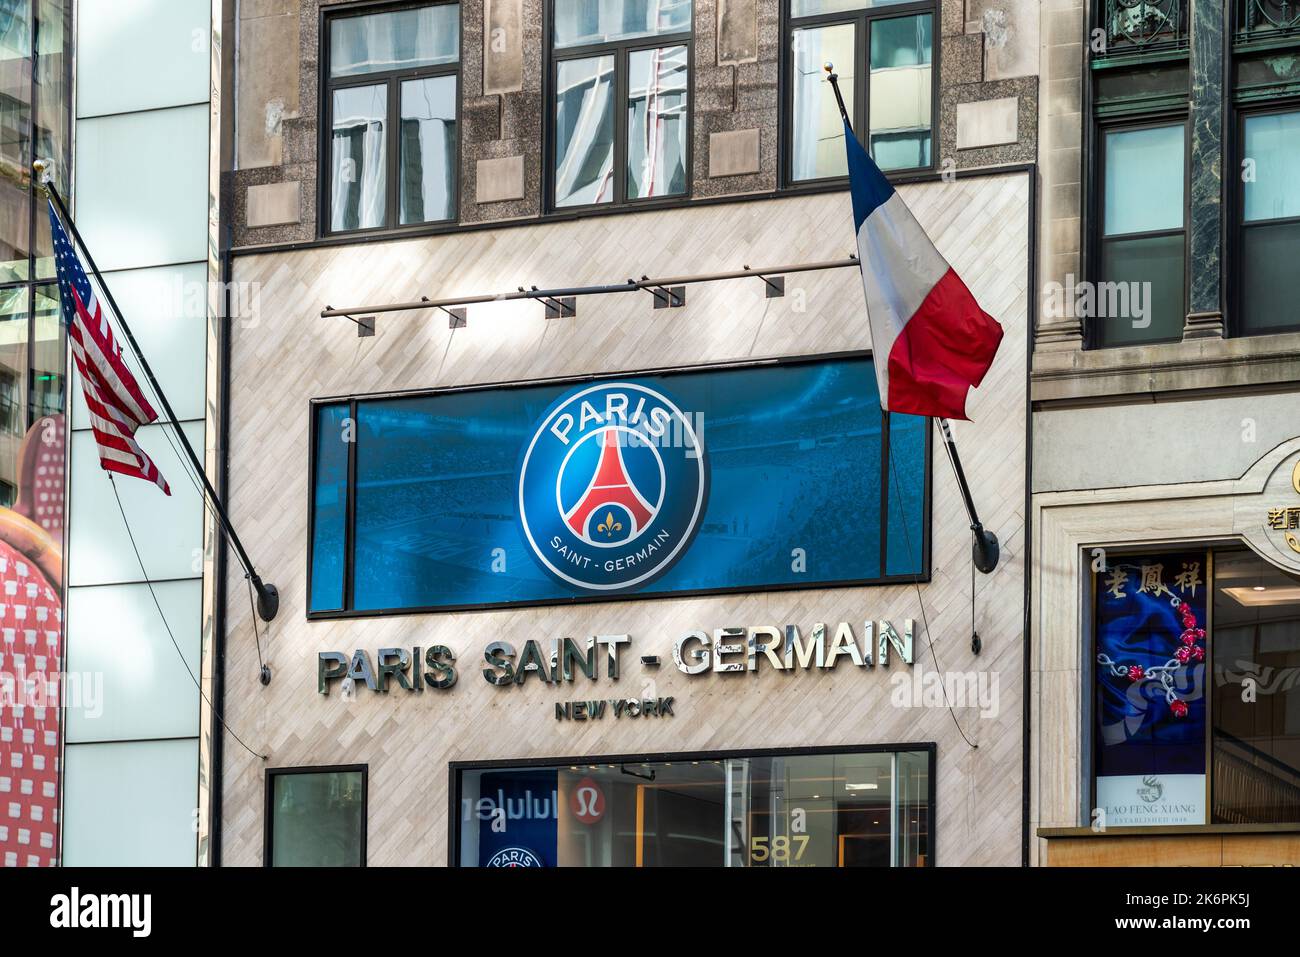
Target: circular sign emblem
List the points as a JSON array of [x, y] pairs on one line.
[[612, 486], [587, 801], [514, 857]]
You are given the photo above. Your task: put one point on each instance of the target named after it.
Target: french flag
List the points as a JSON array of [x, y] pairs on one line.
[[924, 321]]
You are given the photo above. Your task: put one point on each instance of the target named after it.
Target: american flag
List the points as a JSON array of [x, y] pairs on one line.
[[117, 406]]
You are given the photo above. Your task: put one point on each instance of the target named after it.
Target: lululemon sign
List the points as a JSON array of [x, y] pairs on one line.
[[587, 801]]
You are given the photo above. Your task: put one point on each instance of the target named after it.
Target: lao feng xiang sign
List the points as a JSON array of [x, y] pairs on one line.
[[561, 660]]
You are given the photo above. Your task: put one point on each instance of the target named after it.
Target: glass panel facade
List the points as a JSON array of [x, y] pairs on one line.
[[817, 130], [900, 111], [657, 120], [397, 40], [14, 333], [316, 819], [864, 809], [130, 804], [428, 149], [15, 140], [584, 22], [584, 131]]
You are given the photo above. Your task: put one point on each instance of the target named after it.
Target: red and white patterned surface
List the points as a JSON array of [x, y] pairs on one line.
[[31, 629]]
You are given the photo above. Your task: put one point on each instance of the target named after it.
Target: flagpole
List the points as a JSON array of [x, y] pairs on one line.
[[268, 597], [985, 549]]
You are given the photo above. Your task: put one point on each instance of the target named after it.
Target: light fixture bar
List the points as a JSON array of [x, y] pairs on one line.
[[766, 273]]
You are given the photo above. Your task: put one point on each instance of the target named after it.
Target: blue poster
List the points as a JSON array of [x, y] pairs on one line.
[[517, 818], [739, 478], [1151, 663]]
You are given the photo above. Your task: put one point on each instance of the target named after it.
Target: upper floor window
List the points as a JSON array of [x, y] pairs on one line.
[[621, 86], [391, 100], [883, 53], [1270, 222], [1140, 296]]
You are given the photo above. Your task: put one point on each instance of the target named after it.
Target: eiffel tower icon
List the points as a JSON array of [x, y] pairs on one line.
[[610, 485]]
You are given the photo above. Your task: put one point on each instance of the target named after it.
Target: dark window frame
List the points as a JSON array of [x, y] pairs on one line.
[[392, 80], [269, 802], [1237, 225], [861, 86], [350, 612], [1096, 213], [455, 769], [620, 50]]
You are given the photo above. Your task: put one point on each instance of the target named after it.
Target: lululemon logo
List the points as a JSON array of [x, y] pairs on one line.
[[587, 801], [612, 485]]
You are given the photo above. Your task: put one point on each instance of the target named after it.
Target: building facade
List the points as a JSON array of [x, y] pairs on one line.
[[105, 744], [1165, 626], [640, 577]]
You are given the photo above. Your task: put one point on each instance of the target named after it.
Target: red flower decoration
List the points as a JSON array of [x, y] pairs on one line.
[[1192, 635], [1183, 654], [1198, 652], [1179, 708], [1136, 672]]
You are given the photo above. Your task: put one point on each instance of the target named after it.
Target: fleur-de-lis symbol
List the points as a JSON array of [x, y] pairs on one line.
[[609, 526]]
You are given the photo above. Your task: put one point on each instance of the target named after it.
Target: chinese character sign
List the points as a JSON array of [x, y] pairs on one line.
[[1150, 704]]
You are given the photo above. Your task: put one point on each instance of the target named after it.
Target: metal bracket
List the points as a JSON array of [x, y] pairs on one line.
[[775, 285], [565, 307], [666, 297], [365, 325]]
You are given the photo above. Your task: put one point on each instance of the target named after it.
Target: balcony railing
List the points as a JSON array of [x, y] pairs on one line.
[[1136, 26], [1265, 19]]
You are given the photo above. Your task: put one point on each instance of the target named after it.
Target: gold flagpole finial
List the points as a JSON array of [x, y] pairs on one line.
[[44, 170], [828, 66]]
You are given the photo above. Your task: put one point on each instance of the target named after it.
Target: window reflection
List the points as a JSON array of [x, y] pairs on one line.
[[584, 131], [317, 819], [428, 148], [1256, 636], [656, 122], [399, 40], [13, 382], [900, 92], [818, 143], [868, 809], [583, 22], [359, 162]]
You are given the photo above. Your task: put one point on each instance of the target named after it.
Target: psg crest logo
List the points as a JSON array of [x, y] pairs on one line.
[[514, 857], [612, 486]]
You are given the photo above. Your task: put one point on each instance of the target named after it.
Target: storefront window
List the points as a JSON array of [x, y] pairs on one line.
[[1256, 695], [851, 809], [1197, 700], [316, 817]]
